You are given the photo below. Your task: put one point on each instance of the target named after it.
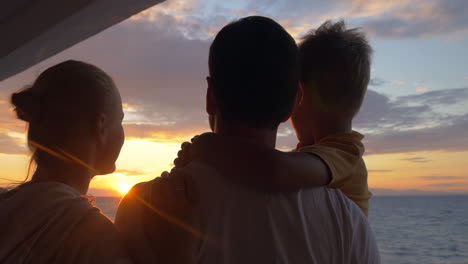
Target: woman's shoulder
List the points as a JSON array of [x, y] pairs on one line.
[[96, 240], [97, 225]]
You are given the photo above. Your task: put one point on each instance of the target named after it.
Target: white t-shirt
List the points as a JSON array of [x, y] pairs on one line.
[[318, 225]]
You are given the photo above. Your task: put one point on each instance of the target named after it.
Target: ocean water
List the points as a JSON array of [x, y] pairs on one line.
[[426, 229], [418, 229]]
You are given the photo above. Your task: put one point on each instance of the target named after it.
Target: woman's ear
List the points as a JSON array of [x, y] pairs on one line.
[[101, 129], [210, 97]]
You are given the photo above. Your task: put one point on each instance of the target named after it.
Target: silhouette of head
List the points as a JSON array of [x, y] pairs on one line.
[[73, 109], [254, 74], [335, 67]]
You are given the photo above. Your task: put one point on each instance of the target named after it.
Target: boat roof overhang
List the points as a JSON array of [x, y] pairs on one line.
[[34, 30]]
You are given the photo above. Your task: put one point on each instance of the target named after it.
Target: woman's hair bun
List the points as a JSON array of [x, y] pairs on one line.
[[25, 104]]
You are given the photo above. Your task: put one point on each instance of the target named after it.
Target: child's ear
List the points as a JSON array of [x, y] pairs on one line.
[[210, 97]]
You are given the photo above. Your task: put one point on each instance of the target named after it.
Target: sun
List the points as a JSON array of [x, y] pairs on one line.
[[123, 188]]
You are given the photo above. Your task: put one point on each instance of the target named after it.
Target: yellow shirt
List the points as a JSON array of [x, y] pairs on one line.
[[343, 155]]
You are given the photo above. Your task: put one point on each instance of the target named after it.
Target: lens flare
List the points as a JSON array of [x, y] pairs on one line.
[[123, 188]]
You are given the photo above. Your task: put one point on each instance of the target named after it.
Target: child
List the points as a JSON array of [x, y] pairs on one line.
[[335, 71]]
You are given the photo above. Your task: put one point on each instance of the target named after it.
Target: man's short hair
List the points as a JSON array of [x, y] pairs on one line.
[[335, 63], [254, 68]]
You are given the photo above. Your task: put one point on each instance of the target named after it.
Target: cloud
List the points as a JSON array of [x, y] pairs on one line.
[[398, 82], [411, 192], [437, 97], [160, 66], [157, 69], [421, 89], [195, 19], [420, 18], [11, 146], [8, 120], [104, 192], [376, 82], [159, 61], [452, 137], [198, 19], [416, 159], [379, 171], [458, 185], [131, 172], [443, 178], [434, 120], [380, 113], [364, 8], [406, 122], [165, 133]]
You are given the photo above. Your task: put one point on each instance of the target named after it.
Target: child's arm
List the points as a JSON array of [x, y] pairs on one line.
[[296, 170], [265, 168], [335, 160], [343, 155], [255, 165]]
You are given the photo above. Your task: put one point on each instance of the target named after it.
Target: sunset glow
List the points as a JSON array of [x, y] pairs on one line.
[[414, 116], [124, 188]]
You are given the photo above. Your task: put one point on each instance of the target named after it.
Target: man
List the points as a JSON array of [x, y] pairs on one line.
[[252, 88]]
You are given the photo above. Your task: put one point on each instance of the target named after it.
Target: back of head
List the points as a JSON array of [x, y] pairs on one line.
[[60, 108], [253, 65], [335, 67]]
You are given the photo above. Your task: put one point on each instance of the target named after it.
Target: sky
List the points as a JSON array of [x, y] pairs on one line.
[[415, 114]]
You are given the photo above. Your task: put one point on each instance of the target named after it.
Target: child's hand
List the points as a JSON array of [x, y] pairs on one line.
[[184, 156], [199, 147]]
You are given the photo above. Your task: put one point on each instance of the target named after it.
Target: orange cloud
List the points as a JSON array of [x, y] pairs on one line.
[[365, 8], [421, 89], [168, 134], [131, 172]]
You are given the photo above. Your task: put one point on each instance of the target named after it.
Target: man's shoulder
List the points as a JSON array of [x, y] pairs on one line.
[[198, 167], [133, 197], [323, 192], [333, 201], [335, 209], [342, 215], [201, 175], [155, 218]]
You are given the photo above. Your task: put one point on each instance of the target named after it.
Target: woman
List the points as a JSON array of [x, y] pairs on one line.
[[74, 113]]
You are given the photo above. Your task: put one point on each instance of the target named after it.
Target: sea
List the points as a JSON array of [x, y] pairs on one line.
[[412, 229]]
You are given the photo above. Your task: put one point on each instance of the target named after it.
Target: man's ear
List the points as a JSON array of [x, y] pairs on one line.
[[297, 101], [210, 97]]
